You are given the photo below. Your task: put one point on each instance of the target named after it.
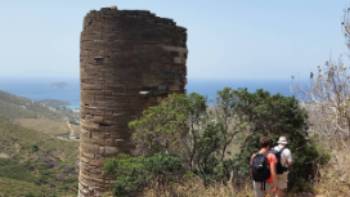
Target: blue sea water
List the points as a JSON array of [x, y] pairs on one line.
[[69, 89], [41, 89], [209, 88]]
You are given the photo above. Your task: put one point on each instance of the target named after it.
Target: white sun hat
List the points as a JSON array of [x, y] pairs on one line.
[[282, 140]]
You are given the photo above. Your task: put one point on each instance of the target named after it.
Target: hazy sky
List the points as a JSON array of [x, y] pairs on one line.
[[228, 39]]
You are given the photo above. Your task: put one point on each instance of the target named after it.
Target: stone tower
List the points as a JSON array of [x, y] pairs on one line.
[[129, 60]]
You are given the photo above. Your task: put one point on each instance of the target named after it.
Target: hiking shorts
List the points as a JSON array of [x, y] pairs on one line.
[[261, 189], [282, 181]]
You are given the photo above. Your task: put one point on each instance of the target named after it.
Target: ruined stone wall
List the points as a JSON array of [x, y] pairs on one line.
[[129, 60]]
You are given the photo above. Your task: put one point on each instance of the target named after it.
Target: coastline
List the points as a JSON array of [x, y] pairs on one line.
[[68, 90]]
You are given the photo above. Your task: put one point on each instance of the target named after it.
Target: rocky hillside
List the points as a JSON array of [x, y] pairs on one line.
[[13, 107], [48, 116]]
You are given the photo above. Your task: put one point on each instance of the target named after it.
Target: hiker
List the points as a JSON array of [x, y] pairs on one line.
[[263, 169], [284, 162]]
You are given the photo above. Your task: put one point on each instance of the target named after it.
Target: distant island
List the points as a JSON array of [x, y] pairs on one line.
[[59, 85]]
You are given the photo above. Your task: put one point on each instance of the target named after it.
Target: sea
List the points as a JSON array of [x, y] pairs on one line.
[[68, 90]]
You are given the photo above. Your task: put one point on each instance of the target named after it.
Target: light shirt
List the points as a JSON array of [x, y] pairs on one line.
[[286, 155]]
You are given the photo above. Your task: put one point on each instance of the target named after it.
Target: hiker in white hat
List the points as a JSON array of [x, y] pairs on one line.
[[284, 162]]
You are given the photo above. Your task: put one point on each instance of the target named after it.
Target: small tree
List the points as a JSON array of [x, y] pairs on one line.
[[227, 115], [172, 127], [209, 145], [180, 125]]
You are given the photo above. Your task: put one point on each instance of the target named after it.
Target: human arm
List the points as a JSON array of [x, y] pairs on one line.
[[287, 157], [273, 161]]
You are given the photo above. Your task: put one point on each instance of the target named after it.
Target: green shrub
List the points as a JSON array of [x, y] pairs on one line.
[[180, 125], [163, 167], [200, 139], [171, 126], [35, 148], [134, 173], [273, 116], [208, 157]]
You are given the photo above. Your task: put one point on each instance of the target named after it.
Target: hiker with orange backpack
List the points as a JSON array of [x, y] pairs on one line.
[[263, 169]]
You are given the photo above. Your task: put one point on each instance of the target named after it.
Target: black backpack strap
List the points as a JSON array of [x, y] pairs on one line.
[[280, 152], [282, 149], [264, 186]]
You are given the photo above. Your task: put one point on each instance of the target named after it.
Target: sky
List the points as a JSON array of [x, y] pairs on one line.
[[227, 39]]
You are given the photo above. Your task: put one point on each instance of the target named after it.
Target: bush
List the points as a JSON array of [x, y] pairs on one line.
[[182, 135], [209, 146], [35, 148], [273, 116], [134, 173], [181, 125], [130, 174], [172, 126]]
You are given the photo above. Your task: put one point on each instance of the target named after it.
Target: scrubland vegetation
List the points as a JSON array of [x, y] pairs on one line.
[[328, 107], [186, 147], [39, 164], [183, 143], [201, 150], [34, 162]]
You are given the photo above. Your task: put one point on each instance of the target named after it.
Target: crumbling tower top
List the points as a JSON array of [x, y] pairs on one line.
[[139, 19]]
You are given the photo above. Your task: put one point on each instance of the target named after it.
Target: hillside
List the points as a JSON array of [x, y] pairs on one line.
[[12, 107], [36, 162], [48, 116], [33, 160]]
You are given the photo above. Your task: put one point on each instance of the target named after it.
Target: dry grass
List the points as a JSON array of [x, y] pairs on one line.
[[335, 177], [334, 181], [44, 125], [194, 188]]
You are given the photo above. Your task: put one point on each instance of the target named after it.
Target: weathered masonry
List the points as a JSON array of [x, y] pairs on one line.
[[129, 60]]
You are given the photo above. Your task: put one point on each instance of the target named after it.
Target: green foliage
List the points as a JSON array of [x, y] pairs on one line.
[[134, 173], [172, 126], [202, 139], [163, 167], [130, 173], [160, 126], [13, 169], [35, 148], [181, 125], [208, 150], [276, 115], [227, 115], [226, 101]]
